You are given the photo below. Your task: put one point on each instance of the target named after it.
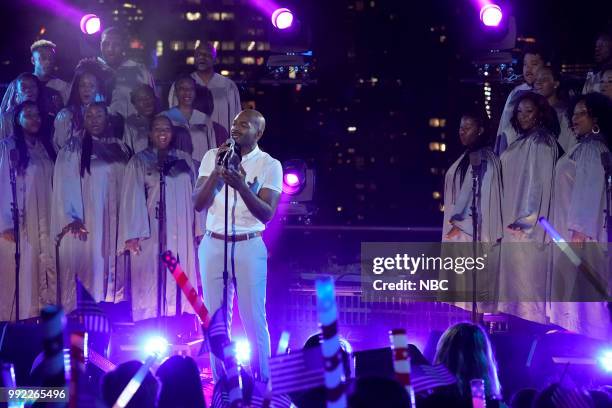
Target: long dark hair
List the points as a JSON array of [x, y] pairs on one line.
[[483, 140], [74, 100], [87, 142], [547, 117], [19, 135], [465, 350], [599, 107]]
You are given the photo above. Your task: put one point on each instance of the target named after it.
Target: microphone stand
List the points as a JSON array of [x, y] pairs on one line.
[[15, 213], [161, 222], [475, 162]]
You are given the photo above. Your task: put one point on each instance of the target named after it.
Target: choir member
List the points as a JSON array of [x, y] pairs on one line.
[[138, 125], [579, 216], [527, 174], [603, 57], [87, 184], [139, 225], [34, 172], [606, 81]]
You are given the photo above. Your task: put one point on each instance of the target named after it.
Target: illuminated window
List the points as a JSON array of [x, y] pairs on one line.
[[214, 16], [177, 45], [228, 45], [227, 16], [128, 5], [247, 60], [351, 129], [193, 16], [436, 195], [190, 60], [224, 72], [442, 147], [159, 48], [228, 60], [263, 46], [434, 122], [434, 146]]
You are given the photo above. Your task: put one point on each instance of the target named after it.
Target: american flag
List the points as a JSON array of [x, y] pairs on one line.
[[297, 371], [88, 313], [425, 377]]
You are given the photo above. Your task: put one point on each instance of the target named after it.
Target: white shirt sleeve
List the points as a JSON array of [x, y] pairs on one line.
[[208, 163], [273, 176]]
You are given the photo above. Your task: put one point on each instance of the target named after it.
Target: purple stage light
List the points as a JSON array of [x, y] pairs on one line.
[[605, 361], [90, 24], [282, 18], [292, 183], [156, 345], [243, 351], [292, 179], [491, 15]]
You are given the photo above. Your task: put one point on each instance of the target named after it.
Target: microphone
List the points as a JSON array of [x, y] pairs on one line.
[[14, 158], [225, 157]]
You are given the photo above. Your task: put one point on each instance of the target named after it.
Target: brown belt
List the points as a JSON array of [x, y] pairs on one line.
[[234, 238]]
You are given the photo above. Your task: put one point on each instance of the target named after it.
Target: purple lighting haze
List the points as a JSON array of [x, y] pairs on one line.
[[491, 15], [282, 18], [90, 24]]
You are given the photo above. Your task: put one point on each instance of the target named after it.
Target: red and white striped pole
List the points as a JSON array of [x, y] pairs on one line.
[[330, 344], [401, 361]]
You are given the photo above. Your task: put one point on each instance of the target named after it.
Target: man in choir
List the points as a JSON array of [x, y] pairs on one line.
[[125, 73], [603, 57], [34, 174], [548, 84], [527, 174], [139, 225], [254, 182], [43, 60], [27, 88], [195, 135], [606, 81], [87, 184], [579, 216], [138, 125], [226, 98], [533, 60]]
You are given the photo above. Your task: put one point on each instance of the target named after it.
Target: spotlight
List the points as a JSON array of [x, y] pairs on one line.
[[291, 181], [90, 24], [282, 18], [491, 15], [243, 352], [294, 176], [156, 345], [605, 361]]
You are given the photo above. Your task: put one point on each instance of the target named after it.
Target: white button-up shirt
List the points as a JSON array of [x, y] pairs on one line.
[[262, 171]]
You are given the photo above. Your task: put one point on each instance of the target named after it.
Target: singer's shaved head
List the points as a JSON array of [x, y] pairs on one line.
[[257, 119]]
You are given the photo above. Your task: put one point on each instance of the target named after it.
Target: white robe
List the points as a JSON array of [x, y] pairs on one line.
[[9, 102], [528, 167], [94, 199], [506, 134], [226, 100], [139, 203], [136, 133], [579, 205], [566, 139], [64, 129], [37, 260], [198, 136], [457, 212]]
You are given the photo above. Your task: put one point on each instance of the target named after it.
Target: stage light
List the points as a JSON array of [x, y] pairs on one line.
[[156, 345], [282, 18], [90, 24], [294, 176], [605, 361], [292, 179], [243, 352], [491, 15]]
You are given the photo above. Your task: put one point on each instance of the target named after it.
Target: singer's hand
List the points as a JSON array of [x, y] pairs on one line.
[[9, 235], [133, 246], [516, 232], [454, 232], [234, 178], [579, 238]]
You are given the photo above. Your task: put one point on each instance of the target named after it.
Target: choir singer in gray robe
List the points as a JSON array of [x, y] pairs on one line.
[[458, 221], [87, 183], [34, 173], [528, 172], [579, 216], [139, 226]]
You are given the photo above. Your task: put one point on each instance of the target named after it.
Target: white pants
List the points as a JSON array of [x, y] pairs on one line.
[[250, 266]]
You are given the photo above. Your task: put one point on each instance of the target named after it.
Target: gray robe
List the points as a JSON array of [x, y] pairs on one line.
[[579, 205], [136, 133], [139, 203], [528, 167], [226, 100], [506, 134], [195, 135], [457, 212], [37, 261], [126, 77], [94, 199]]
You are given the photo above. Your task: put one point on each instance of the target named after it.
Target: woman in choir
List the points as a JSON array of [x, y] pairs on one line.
[[579, 216], [33, 162], [85, 89], [87, 184], [196, 135], [528, 166], [139, 226], [138, 125], [548, 84], [458, 193], [606, 81]]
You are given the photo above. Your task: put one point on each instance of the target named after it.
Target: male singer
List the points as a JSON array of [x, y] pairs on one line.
[[255, 184]]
